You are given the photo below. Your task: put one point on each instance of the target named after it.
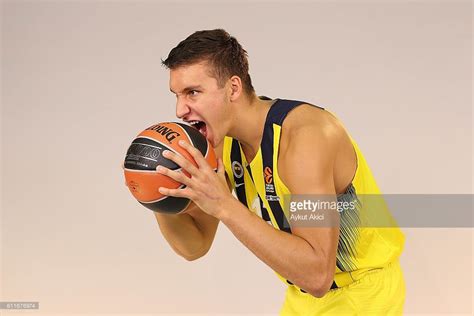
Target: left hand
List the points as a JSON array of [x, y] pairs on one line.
[[206, 188]]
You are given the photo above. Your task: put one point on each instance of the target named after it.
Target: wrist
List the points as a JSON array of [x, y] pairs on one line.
[[228, 207]]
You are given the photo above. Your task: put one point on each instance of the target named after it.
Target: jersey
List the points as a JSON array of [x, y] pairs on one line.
[[364, 244]]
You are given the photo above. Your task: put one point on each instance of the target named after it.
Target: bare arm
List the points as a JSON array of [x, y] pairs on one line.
[[192, 232], [307, 257]]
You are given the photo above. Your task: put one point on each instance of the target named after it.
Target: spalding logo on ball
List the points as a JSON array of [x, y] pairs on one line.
[[145, 154]]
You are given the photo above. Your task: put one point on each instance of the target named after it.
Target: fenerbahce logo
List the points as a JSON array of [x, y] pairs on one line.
[[237, 169]]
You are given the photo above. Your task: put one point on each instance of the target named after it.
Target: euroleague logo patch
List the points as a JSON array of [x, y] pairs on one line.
[[268, 175], [237, 169]]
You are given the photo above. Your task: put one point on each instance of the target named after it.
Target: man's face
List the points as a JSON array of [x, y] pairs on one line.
[[200, 102]]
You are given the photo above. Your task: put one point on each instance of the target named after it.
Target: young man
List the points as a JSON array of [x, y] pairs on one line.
[[272, 151]]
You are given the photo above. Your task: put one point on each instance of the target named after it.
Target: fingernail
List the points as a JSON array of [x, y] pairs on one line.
[[166, 152], [182, 142], [159, 168]]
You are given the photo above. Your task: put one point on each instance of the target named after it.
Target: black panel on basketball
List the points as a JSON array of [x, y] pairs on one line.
[[198, 140], [146, 154], [168, 205]]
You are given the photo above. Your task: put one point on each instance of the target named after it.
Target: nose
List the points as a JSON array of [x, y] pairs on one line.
[[181, 108]]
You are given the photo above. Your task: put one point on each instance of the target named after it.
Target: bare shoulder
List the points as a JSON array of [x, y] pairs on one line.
[[314, 136], [308, 120]]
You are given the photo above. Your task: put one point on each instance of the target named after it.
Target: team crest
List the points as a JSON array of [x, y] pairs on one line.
[[237, 169]]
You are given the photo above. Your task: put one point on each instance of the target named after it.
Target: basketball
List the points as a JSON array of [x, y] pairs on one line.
[[145, 154]]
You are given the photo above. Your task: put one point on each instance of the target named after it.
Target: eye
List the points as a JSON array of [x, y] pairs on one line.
[[193, 93]]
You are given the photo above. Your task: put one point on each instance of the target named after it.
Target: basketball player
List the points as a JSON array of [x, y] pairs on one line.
[[269, 150]]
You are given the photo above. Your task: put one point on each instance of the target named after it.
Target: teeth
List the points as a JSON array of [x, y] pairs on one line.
[[193, 122]]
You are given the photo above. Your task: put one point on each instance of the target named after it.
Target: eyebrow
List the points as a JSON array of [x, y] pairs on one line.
[[187, 89]]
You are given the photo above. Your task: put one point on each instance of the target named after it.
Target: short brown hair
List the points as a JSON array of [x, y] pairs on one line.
[[222, 51]]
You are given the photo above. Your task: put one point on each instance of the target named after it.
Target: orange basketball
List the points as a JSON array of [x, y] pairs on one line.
[[145, 154]]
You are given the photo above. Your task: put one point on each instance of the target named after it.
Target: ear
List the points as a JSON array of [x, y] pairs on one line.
[[235, 87]]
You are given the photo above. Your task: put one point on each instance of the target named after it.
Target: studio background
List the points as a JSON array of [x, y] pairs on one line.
[[81, 78]]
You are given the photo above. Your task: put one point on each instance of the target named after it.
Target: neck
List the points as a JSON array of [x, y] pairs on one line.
[[248, 124]]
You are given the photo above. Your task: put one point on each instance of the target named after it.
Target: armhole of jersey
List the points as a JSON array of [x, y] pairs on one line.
[[363, 181], [226, 159], [357, 180]]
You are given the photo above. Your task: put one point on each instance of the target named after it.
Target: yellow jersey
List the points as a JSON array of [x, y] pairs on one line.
[[362, 246]]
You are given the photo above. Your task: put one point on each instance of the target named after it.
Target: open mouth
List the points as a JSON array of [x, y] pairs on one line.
[[200, 126]]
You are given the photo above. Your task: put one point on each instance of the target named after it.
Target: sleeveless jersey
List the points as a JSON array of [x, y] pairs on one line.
[[369, 237]]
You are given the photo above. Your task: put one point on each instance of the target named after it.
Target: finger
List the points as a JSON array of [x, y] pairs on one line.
[[184, 193], [175, 175], [196, 154], [181, 161]]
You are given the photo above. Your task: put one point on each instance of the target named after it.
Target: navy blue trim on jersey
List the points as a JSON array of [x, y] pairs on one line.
[[276, 115], [281, 108], [236, 161], [263, 209]]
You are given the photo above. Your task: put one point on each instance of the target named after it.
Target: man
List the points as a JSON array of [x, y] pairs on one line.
[[272, 150]]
